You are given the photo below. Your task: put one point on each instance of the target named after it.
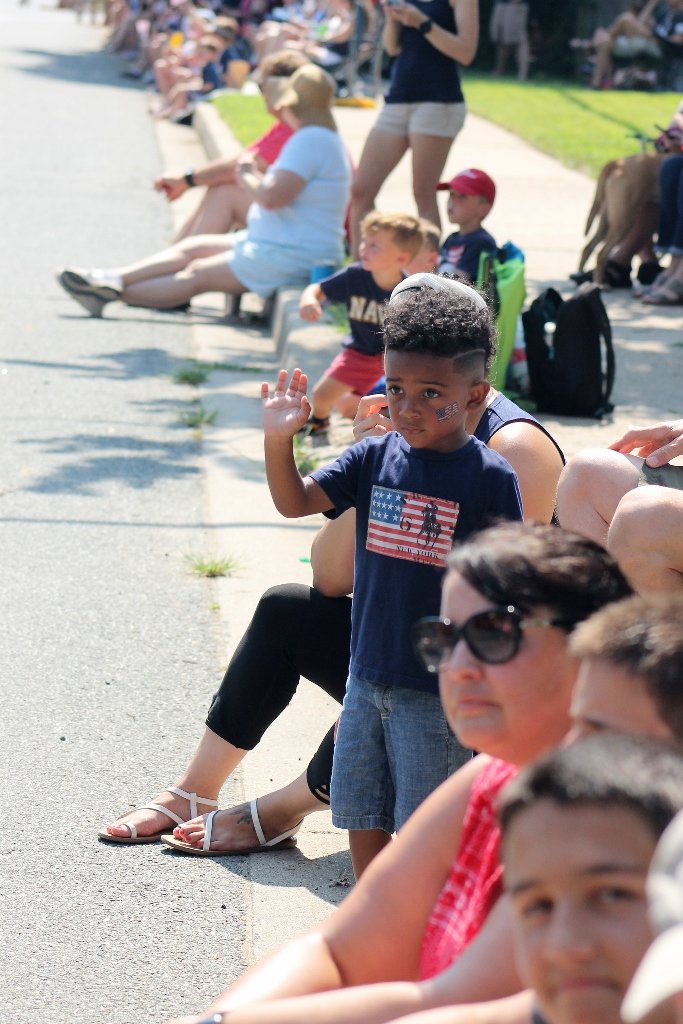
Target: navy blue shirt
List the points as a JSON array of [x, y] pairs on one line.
[[460, 252], [211, 75], [412, 506], [364, 301], [421, 73]]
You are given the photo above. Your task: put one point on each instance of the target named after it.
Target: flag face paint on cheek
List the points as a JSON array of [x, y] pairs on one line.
[[447, 411]]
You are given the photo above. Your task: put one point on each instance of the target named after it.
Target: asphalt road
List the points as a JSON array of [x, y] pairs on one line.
[[110, 649]]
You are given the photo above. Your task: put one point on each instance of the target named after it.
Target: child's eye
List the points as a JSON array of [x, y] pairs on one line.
[[432, 393], [535, 908], [615, 894], [393, 389]]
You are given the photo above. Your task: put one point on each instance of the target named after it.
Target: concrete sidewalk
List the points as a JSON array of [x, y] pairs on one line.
[[541, 206]]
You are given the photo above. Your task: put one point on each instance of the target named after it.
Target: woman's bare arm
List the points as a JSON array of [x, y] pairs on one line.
[[537, 463], [460, 45], [332, 553]]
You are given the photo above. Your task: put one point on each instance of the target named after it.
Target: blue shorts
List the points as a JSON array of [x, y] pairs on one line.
[[393, 748]]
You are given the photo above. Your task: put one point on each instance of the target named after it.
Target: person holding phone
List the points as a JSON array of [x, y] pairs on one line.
[[425, 108]]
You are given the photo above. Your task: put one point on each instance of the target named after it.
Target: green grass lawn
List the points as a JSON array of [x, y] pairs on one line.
[[245, 116], [581, 128]]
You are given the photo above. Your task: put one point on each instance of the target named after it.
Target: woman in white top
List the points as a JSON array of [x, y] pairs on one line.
[[295, 221]]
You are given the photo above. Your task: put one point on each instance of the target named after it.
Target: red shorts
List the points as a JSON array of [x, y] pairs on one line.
[[356, 369]]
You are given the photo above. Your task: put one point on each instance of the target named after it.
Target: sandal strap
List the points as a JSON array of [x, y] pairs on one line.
[[208, 826], [193, 801], [260, 834]]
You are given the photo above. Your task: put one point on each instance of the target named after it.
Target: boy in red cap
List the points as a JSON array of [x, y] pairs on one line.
[[471, 195]]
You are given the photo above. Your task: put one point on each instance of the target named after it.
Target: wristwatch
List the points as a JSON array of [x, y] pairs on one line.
[[425, 27], [189, 179]]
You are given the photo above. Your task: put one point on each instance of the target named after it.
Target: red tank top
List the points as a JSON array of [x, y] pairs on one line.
[[474, 883]]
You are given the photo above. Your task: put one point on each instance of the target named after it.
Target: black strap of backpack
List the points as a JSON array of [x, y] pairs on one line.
[[605, 329]]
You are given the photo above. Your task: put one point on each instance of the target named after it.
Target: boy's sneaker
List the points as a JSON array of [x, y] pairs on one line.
[[89, 289], [315, 425]]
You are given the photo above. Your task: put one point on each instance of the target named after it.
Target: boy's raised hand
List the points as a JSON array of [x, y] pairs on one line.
[[287, 410]]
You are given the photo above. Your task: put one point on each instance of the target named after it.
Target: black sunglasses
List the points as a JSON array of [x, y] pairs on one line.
[[494, 636]]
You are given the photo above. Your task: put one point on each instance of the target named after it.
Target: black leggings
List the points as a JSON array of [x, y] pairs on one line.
[[295, 632]]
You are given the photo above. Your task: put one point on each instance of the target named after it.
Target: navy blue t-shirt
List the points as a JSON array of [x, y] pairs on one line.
[[364, 301], [211, 75], [412, 506], [460, 252], [421, 73]]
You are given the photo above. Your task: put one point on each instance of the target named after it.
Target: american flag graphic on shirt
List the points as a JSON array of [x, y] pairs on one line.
[[403, 524]]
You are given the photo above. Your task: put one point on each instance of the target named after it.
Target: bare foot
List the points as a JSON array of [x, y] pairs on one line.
[[150, 822], [233, 829]]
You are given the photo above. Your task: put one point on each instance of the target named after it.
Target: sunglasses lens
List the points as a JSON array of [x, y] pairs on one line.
[[493, 636], [433, 642]]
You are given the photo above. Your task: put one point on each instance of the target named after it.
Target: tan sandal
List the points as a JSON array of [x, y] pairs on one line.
[[134, 839]]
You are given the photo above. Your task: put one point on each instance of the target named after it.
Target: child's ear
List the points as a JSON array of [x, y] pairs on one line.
[[478, 394]]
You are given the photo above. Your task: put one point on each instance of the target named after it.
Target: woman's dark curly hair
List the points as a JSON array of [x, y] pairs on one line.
[[535, 565], [439, 323]]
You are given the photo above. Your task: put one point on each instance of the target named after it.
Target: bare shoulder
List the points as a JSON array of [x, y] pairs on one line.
[[537, 463]]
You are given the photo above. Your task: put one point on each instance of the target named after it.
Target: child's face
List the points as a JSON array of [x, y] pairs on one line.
[[576, 878], [608, 697], [424, 263], [467, 211], [428, 399], [379, 251]]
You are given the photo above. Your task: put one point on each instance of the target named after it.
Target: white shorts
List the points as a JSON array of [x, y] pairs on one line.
[[263, 268], [443, 119]]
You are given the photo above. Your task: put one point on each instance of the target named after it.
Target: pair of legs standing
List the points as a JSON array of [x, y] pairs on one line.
[[381, 154]]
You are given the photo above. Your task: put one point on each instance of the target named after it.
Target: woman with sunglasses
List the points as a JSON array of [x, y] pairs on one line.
[[430, 901]]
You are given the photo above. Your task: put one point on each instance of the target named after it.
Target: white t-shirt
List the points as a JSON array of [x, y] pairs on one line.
[[314, 222]]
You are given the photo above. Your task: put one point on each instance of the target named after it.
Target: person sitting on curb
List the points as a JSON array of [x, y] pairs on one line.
[[601, 494], [471, 194], [388, 242], [295, 221], [225, 202]]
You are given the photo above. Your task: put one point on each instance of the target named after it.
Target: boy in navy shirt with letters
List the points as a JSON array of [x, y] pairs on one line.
[[389, 242]]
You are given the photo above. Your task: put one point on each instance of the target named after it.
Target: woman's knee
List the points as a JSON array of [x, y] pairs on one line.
[[591, 473], [645, 536]]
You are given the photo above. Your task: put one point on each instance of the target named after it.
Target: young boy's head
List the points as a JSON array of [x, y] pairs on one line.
[[389, 241], [427, 255], [208, 48], [438, 346], [660, 974], [580, 828], [631, 673], [470, 197]]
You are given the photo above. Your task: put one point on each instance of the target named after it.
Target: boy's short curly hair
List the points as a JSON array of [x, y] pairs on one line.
[[439, 323]]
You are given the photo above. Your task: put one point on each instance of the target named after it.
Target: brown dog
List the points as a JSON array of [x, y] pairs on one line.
[[627, 188]]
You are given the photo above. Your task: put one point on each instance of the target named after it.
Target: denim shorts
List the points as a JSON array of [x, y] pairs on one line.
[[393, 748]]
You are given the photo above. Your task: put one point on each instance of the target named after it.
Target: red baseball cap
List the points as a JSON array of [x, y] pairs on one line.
[[471, 182]]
